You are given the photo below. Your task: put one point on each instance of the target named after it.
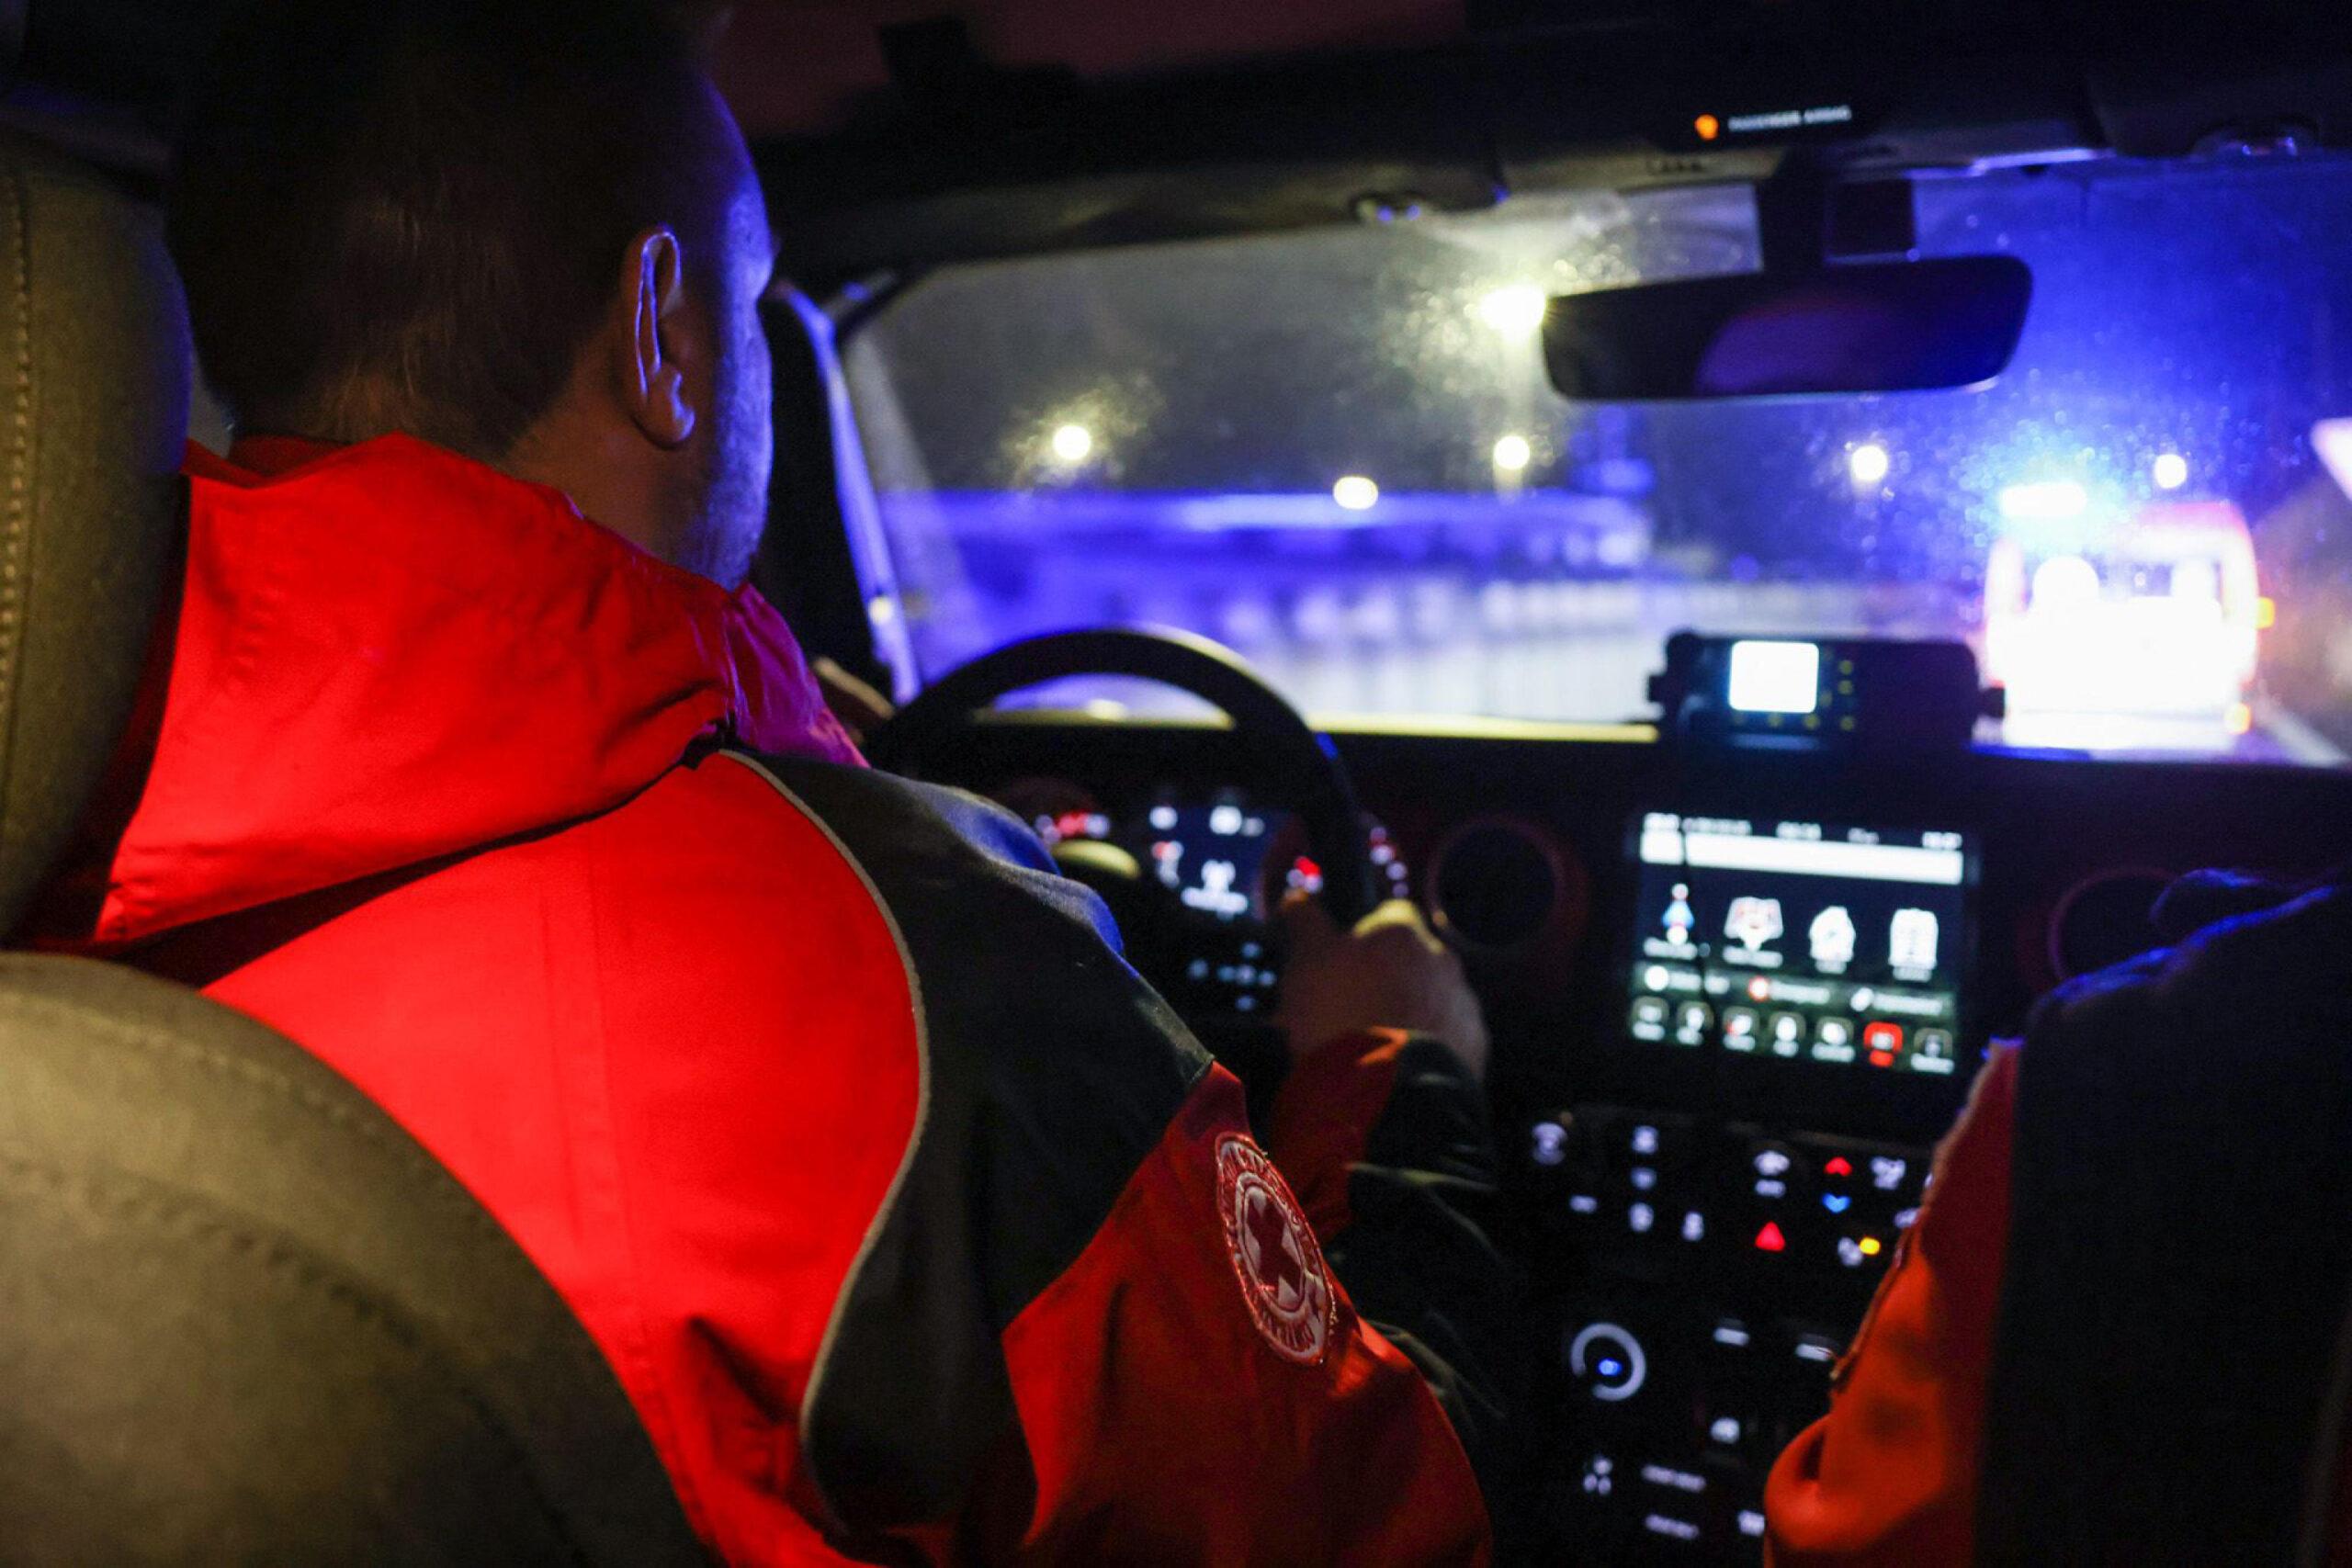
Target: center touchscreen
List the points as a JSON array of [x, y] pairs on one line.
[[1801, 941]]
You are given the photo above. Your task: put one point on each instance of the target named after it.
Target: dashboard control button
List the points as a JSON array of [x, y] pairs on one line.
[[1609, 1361], [1673, 1526], [1862, 1249], [1741, 1029], [1775, 1176], [1731, 1340], [1815, 1352], [1655, 1143], [1648, 1020], [1548, 1145]]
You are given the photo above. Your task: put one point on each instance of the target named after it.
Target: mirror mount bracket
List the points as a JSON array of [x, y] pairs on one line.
[[1806, 219]]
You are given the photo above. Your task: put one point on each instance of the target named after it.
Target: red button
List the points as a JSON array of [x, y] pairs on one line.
[[1770, 1238], [1839, 1166], [1882, 1037]]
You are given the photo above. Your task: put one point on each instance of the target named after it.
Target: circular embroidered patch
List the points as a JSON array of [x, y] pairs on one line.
[[1274, 1253]]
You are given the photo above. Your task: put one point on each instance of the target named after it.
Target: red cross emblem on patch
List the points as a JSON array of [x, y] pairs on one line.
[[1275, 1255]]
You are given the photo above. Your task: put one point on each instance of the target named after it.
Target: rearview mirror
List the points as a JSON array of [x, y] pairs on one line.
[[1882, 327]]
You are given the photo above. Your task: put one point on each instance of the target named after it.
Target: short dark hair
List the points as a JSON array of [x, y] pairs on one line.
[[425, 203]]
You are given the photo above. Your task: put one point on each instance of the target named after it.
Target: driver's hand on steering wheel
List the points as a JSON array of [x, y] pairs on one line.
[[1391, 971]]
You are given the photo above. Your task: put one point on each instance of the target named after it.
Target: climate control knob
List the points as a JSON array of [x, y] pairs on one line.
[[1608, 1361]]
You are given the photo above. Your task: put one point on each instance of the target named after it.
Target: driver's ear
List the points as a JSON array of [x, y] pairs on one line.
[[649, 377]]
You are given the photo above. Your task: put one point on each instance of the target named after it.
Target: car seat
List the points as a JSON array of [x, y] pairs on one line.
[[243, 1316]]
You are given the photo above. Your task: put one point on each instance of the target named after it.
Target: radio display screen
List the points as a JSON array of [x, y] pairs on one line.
[[1801, 941]]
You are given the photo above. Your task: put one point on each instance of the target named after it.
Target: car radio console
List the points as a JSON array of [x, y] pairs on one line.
[[1721, 1223]]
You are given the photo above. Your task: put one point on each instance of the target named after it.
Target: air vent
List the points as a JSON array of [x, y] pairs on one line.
[[2103, 919], [1495, 884]]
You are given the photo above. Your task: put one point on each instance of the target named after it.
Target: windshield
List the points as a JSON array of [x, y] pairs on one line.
[[1337, 451]]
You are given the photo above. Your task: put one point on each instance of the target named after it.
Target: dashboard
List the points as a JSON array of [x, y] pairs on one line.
[[1735, 999]]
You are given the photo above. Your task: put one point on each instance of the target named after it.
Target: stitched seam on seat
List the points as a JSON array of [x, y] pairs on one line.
[[14, 525], [163, 1044], [134, 1198]]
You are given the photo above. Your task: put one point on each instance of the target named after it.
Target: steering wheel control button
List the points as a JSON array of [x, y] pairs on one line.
[[1608, 1362]]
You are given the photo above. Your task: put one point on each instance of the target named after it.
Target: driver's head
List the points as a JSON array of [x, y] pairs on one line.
[[524, 230]]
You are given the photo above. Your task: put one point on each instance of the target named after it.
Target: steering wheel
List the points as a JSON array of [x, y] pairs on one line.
[[1289, 762]]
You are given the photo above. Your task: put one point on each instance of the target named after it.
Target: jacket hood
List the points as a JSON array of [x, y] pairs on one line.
[[387, 653]]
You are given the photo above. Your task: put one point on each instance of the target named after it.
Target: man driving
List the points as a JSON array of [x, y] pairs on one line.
[[913, 1223]]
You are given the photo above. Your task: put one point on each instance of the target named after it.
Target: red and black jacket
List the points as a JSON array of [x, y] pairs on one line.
[[915, 1225]]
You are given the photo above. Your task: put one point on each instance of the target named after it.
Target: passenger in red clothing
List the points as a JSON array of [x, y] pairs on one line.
[[2109, 1336], [913, 1221]]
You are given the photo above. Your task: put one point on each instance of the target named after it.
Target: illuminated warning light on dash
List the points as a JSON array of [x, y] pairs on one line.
[[1839, 1166], [1770, 1238], [1708, 127]]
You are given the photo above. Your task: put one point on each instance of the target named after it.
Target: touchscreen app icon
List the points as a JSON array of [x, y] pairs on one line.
[[1754, 922], [1911, 939], [1832, 934], [1679, 917]]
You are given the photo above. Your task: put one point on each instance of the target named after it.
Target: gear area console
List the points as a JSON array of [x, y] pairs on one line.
[[1753, 1148]]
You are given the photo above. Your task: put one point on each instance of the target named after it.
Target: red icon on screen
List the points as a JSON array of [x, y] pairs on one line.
[[1839, 1166], [1770, 1238], [1882, 1041]]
